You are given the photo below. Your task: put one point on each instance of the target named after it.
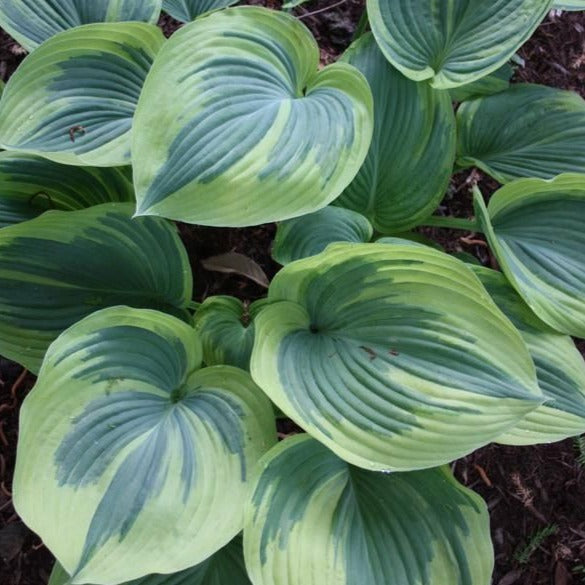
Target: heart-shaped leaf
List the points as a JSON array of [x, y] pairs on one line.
[[315, 520], [188, 10], [380, 351], [73, 99], [131, 460], [536, 230], [30, 185], [310, 234], [226, 328], [33, 22], [560, 370], [236, 126], [526, 131], [225, 567], [407, 170], [453, 43], [61, 266]]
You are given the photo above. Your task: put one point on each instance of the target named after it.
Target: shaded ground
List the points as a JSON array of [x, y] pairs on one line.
[[536, 495]]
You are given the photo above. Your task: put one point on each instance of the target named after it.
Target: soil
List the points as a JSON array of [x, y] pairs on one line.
[[536, 495]]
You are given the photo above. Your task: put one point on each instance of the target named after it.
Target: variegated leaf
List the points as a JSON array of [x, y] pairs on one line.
[[73, 99], [30, 185], [380, 351], [236, 126], [560, 370], [310, 234], [526, 131], [31, 22], [62, 266], [226, 328], [453, 42], [188, 10], [225, 567], [315, 520], [569, 5], [491, 84], [536, 229], [410, 161], [131, 459]]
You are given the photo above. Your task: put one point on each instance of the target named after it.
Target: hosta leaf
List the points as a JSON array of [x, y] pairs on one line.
[[560, 370], [131, 460], [225, 567], [73, 99], [380, 351], [226, 328], [315, 520], [61, 266], [493, 83], [310, 234], [452, 43], [32, 22], [536, 230], [407, 170], [570, 5], [526, 131], [29, 185], [238, 128], [187, 10], [413, 238]]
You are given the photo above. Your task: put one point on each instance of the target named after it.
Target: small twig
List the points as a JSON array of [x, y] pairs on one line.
[[5, 505], [470, 241], [322, 9], [5, 491], [483, 475], [17, 384], [3, 438]]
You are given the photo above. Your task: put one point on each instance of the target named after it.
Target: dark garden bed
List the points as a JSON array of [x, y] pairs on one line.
[[536, 495]]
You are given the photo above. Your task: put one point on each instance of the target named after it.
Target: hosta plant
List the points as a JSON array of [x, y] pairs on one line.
[[149, 443]]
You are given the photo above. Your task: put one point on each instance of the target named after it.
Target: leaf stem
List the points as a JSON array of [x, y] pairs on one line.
[[361, 26], [454, 223]]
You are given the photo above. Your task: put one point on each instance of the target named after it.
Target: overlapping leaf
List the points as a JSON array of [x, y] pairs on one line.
[[452, 43], [315, 520], [61, 266], [411, 157], [310, 234], [131, 460], [225, 567], [570, 5], [235, 126], [30, 185], [380, 351], [226, 328], [491, 84], [187, 10], [536, 229], [73, 99], [560, 370], [526, 131], [32, 22]]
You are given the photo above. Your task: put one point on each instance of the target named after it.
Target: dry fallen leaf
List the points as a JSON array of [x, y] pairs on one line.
[[235, 263]]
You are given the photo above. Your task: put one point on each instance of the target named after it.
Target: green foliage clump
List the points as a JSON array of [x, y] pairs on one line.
[[149, 442]]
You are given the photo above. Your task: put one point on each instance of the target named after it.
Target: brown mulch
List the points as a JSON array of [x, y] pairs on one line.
[[536, 495]]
